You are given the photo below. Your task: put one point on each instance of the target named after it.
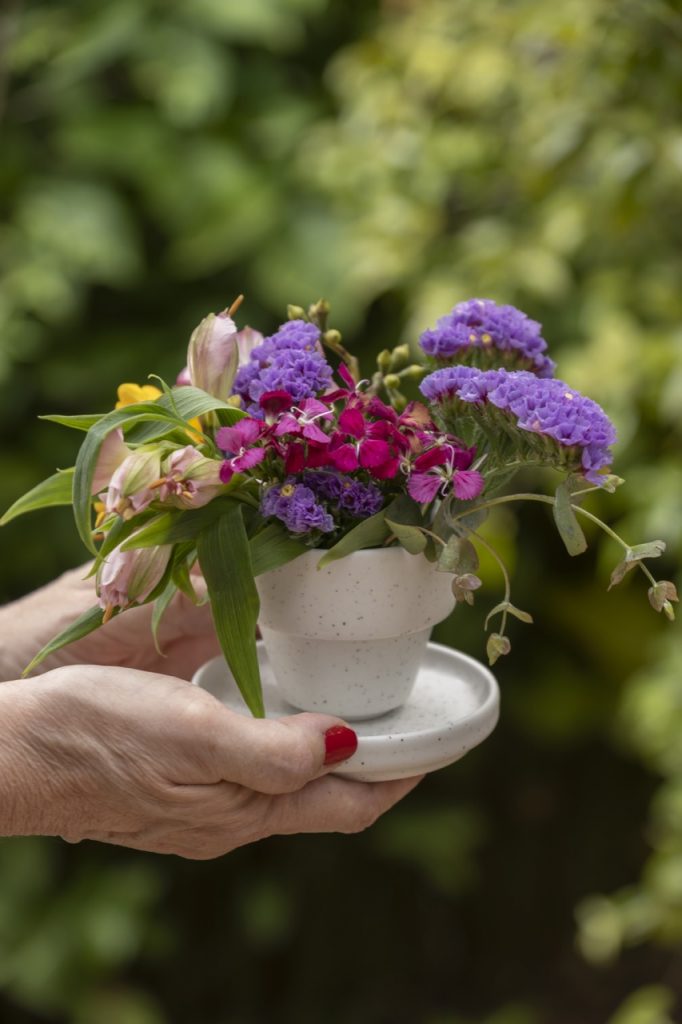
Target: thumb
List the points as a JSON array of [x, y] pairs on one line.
[[279, 755]]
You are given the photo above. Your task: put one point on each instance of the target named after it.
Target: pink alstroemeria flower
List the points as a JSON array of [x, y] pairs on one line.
[[130, 489], [237, 441], [128, 577], [189, 479]]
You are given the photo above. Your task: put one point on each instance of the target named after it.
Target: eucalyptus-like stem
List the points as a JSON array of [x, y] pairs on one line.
[[503, 569], [547, 500]]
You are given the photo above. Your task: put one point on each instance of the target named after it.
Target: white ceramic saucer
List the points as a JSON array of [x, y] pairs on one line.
[[454, 706]]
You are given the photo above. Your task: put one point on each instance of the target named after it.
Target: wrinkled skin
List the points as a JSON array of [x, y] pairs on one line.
[[110, 752]]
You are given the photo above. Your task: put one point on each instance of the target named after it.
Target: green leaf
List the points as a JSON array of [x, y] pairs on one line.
[[507, 606], [56, 490], [496, 647], [83, 422], [566, 522], [185, 403], [84, 624], [458, 555], [652, 549], [370, 533], [225, 559], [160, 608], [273, 547], [177, 526], [409, 537]]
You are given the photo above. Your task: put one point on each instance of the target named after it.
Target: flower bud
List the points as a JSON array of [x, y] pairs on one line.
[[190, 480], [296, 313], [660, 596], [413, 372], [399, 356], [130, 489], [213, 355], [129, 577], [384, 361], [497, 646], [112, 453], [392, 381], [319, 312]]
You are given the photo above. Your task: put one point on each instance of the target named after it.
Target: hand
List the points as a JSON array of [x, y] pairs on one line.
[[153, 763], [186, 636]]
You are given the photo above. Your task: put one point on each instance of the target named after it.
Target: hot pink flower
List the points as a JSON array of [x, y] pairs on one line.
[[301, 421], [238, 441]]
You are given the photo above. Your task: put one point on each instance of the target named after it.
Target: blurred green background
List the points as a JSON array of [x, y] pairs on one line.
[[156, 159]]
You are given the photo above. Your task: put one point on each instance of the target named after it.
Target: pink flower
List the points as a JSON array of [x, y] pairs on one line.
[[424, 487], [130, 490], [189, 479], [441, 467], [111, 454], [237, 441], [129, 577], [301, 421], [213, 355]]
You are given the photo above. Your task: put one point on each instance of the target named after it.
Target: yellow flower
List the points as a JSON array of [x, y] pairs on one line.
[[128, 394]]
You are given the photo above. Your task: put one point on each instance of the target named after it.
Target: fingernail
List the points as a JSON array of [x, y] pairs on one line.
[[340, 743]]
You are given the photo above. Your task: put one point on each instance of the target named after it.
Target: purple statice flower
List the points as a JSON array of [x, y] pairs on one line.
[[289, 360], [360, 500], [296, 506], [544, 407], [464, 382], [479, 327]]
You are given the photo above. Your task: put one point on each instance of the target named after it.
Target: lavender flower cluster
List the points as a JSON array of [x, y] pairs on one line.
[[302, 506], [289, 360], [481, 327], [541, 406], [296, 506]]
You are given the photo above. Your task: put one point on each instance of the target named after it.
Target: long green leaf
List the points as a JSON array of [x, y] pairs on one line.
[[372, 532], [177, 526], [56, 490], [566, 522], [187, 403], [160, 608], [225, 560], [409, 537], [84, 624], [82, 422], [273, 547]]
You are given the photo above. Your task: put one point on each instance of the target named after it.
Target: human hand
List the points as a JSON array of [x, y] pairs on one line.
[[150, 762], [186, 635]]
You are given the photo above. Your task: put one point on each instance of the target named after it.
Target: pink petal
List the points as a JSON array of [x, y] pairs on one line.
[[345, 375], [243, 433], [373, 453], [275, 402], [352, 422], [467, 484], [311, 407], [226, 472], [387, 470], [344, 458], [294, 459], [423, 487], [437, 456], [248, 459], [463, 457], [288, 424], [317, 457], [313, 433]]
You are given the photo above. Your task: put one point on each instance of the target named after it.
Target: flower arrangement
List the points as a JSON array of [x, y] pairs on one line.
[[267, 447]]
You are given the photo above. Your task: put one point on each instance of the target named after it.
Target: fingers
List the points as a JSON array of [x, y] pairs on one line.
[[278, 755], [336, 805]]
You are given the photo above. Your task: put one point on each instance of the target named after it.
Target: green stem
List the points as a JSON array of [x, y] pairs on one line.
[[503, 569]]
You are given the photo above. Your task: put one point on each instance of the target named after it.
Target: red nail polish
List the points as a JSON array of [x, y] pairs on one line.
[[340, 743]]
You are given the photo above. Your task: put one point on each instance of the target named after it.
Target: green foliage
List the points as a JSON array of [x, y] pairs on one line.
[[397, 158]]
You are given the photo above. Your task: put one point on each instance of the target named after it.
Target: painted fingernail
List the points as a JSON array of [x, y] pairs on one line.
[[340, 743]]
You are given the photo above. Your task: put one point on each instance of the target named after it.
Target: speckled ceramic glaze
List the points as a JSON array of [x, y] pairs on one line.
[[348, 639], [453, 706]]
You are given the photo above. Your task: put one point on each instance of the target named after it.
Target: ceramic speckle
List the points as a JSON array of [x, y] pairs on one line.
[[349, 638], [453, 706]]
